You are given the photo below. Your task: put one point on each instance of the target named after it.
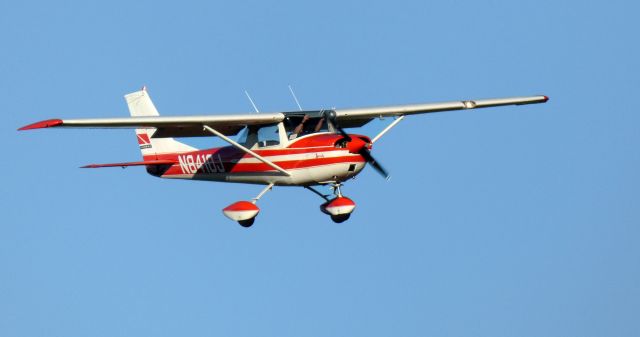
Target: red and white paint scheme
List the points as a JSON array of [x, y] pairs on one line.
[[339, 208], [242, 211], [299, 148]]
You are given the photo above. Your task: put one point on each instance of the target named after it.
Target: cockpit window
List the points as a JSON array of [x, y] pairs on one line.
[[264, 136], [299, 126], [268, 136], [242, 136]]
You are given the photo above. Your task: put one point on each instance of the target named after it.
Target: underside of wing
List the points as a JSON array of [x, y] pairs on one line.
[[168, 126]]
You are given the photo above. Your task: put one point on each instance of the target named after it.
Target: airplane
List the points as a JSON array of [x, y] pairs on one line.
[[297, 148]]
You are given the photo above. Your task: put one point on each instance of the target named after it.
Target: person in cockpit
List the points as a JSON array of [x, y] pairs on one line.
[[296, 132]]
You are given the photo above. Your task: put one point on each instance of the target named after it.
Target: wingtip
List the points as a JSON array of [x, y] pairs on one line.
[[42, 124]]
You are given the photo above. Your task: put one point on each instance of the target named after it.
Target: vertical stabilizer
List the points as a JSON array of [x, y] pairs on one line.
[[140, 105]]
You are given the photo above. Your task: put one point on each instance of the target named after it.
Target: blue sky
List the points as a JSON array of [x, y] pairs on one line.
[[497, 222]]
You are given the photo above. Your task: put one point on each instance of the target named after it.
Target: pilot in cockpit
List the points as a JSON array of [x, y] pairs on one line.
[[300, 128]]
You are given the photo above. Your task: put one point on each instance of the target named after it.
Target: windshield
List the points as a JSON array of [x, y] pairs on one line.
[[298, 126]]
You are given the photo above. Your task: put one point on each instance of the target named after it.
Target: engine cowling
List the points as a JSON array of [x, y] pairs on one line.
[[356, 144], [338, 206], [241, 211]]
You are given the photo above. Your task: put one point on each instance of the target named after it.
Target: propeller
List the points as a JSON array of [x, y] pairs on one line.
[[363, 151]]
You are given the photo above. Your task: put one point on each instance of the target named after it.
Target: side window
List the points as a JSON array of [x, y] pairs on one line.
[[268, 136], [242, 137]]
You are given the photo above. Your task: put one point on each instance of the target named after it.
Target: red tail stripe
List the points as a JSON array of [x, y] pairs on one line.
[[143, 138]]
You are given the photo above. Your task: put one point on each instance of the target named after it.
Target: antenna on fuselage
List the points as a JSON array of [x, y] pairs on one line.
[[250, 100], [295, 98]]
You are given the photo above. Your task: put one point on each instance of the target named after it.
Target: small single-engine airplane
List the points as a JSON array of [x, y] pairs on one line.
[[300, 148]]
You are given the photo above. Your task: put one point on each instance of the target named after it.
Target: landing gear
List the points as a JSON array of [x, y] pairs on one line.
[[247, 223], [245, 212], [339, 208], [340, 218]]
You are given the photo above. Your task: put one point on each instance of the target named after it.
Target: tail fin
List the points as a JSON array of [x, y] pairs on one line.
[[140, 105]]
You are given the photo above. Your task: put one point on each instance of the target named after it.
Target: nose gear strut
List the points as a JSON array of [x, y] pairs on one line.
[[340, 207]]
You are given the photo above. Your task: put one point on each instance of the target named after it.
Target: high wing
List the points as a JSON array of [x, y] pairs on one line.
[[360, 116], [193, 126], [168, 126]]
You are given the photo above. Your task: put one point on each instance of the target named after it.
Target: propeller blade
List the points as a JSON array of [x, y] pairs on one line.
[[344, 133], [364, 152]]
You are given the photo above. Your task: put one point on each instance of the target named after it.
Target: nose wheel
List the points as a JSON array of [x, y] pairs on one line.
[[340, 218], [247, 223], [339, 208]]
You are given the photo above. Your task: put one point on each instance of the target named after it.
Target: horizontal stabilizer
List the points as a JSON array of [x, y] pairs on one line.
[[135, 163]]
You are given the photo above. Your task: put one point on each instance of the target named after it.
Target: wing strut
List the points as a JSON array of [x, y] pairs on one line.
[[238, 146], [387, 129]]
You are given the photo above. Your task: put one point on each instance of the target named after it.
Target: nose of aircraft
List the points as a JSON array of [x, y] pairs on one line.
[[356, 145], [362, 147]]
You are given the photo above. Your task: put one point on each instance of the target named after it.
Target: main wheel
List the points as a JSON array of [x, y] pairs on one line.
[[247, 223], [340, 217]]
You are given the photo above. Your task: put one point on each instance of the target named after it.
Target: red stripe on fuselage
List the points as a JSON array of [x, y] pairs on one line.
[[231, 160], [228, 153], [231, 168]]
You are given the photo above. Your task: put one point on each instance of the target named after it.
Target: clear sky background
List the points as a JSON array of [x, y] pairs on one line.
[[514, 221]]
